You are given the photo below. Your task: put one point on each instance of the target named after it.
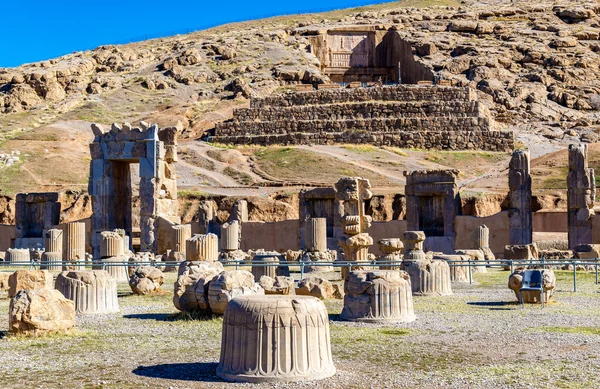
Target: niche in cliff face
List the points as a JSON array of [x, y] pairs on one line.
[[365, 54]]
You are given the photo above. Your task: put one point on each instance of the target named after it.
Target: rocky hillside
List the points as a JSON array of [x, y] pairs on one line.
[[536, 64]]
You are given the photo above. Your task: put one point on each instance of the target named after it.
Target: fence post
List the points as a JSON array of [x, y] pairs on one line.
[[574, 277], [470, 272], [512, 266], [596, 271], [301, 270]]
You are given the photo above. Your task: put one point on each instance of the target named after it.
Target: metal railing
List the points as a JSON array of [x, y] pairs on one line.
[[470, 264]]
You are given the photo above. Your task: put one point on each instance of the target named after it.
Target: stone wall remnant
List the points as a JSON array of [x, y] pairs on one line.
[[34, 214], [110, 183], [520, 213], [432, 202], [401, 115], [92, 291], [275, 338], [378, 296], [581, 194]]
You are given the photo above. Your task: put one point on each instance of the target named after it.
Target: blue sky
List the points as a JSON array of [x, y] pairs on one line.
[[35, 30]]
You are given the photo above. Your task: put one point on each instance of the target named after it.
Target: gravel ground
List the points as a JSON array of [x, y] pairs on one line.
[[477, 338]]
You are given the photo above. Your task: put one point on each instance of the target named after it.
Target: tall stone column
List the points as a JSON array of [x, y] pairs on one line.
[[520, 215], [316, 234], [581, 194], [481, 241], [73, 244], [203, 248]]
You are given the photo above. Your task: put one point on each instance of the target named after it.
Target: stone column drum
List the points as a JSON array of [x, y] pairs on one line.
[[183, 232], [316, 234], [111, 244], [92, 291], [274, 338], [73, 243], [259, 270], [203, 248], [427, 276], [391, 249], [53, 241], [230, 236], [379, 296], [18, 255]]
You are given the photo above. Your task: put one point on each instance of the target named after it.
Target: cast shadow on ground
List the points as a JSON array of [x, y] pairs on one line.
[[3, 334], [179, 316], [495, 305], [201, 371]]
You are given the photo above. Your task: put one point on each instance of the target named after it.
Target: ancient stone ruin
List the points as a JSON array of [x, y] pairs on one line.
[[203, 248], [316, 246], [113, 152], [378, 296], [112, 255], [275, 339], [428, 276], [34, 214], [146, 280], [40, 311], [432, 202], [391, 249], [92, 291], [351, 192], [401, 115], [519, 196], [515, 281], [581, 194]]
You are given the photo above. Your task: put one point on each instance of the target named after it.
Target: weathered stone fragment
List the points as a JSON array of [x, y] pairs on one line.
[[191, 287], [259, 330], [203, 248], [228, 285], [277, 285], [315, 286], [146, 280], [40, 311], [29, 280], [378, 296], [92, 291]]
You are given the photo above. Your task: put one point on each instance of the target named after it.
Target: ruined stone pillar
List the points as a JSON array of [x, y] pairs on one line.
[[53, 241], [275, 338], [413, 246], [111, 244], [240, 211], [92, 291], [379, 296], [581, 194], [230, 236], [18, 255], [481, 241], [519, 183], [73, 243], [183, 232], [203, 248], [391, 249], [51, 261], [316, 234]]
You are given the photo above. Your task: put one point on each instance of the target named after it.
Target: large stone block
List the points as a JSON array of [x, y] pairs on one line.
[[275, 339], [316, 287], [40, 311], [92, 291], [29, 280]]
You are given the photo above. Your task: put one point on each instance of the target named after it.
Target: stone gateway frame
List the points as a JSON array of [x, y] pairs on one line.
[[110, 183]]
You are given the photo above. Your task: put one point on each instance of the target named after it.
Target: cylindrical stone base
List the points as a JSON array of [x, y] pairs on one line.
[[203, 248], [92, 291], [316, 234], [379, 296], [429, 277], [459, 271], [117, 267], [111, 244], [51, 261], [275, 338], [264, 266], [18, 255]]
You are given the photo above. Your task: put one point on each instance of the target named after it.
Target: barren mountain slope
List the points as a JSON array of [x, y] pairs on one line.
[[535, 64]]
